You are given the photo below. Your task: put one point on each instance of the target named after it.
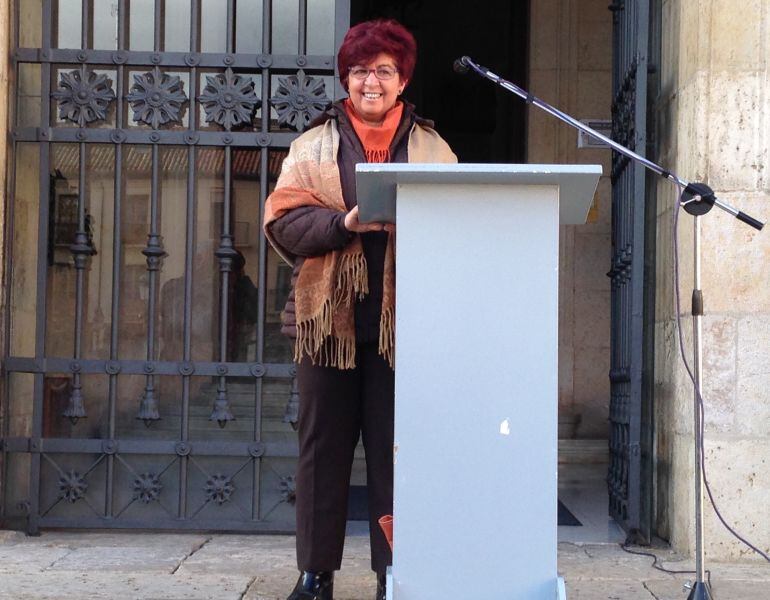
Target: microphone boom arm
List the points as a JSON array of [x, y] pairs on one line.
[[700, 197]]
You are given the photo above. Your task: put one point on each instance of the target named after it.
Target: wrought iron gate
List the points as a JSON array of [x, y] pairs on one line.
[[146, 382], [629, 124]]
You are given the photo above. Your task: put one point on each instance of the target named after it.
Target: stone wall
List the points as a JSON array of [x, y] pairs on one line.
[[20, 297], [714, 115], [571, 68], [4, 77]]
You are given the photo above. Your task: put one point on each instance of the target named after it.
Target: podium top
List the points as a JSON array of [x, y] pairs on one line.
[[376, 184]]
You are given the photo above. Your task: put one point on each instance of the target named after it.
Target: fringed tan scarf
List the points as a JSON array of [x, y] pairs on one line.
[[328, 285]]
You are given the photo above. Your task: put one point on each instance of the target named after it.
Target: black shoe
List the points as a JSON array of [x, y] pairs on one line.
[[380, 588], [314, 586]]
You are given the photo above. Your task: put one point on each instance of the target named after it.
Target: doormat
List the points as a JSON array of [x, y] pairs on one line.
[[358, 508]]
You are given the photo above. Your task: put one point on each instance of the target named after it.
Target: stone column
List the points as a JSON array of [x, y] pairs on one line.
[[571, 68], [19, 297], [714, 126]]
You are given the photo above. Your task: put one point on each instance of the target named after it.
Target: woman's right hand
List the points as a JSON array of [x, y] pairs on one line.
[[353, 224]]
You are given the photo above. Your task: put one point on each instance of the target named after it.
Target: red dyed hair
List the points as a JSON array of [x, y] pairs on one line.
[[363, 42]]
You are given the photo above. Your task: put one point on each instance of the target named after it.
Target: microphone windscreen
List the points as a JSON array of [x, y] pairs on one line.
[[460, 66]]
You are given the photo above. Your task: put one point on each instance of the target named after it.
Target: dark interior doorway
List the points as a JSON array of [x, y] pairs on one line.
[[481, 122]]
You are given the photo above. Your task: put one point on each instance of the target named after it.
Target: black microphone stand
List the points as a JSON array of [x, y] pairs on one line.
[[697, 199]]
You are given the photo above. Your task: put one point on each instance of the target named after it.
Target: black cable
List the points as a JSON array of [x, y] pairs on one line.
[[656, 564], [698, 394]]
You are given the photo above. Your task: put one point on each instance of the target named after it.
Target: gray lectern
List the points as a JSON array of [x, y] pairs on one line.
[[476, 372]]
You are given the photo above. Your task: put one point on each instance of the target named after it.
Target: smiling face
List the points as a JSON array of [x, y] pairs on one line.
[[371, 97]]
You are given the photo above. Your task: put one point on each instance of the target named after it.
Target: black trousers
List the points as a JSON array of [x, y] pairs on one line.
[[336, 406]]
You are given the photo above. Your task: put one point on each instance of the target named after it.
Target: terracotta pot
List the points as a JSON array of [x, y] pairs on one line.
[[386, 524]]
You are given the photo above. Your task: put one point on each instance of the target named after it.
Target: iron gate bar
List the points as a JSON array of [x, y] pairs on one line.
[[207, 524], [80, 250], [274, 139], [192, 124], [116, 268], [302, 34], [85, 7], [226, 254], [276, 62], [156, 37], [267, 26], [230, 29], [21, 364], [302, 46], [630, 33], [151, 446], [614, 475], [154, 253], [41, 291]]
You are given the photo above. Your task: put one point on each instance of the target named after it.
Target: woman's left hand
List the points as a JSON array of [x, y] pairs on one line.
[[353, 224]]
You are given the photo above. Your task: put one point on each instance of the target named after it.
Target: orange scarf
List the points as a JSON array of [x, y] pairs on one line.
[[376, 140]]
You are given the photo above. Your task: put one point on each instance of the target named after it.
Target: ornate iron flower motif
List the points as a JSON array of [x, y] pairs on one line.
[[298, 99], [288, 489], [72, 486], [84, 96], [157, 98], [229, 99], [147, 487], [219, 488]]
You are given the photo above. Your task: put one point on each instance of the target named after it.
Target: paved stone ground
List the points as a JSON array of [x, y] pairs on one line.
[[155, 566]]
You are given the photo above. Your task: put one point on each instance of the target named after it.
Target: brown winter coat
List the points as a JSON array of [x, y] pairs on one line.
[[313, 231]]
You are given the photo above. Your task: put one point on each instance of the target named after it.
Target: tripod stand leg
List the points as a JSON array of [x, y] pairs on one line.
[[700, 589]]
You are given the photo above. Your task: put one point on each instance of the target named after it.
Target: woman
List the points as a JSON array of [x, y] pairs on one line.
[[341, 310]]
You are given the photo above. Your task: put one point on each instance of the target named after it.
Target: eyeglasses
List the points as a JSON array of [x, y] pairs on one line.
[[382, 73]]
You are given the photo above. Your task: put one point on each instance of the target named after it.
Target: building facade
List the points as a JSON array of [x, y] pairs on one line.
[[145, 382]]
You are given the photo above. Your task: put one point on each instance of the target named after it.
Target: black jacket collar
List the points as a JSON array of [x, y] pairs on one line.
[[336, 110]]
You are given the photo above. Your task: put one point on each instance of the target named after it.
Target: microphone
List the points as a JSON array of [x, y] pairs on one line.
[[461, 65]]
